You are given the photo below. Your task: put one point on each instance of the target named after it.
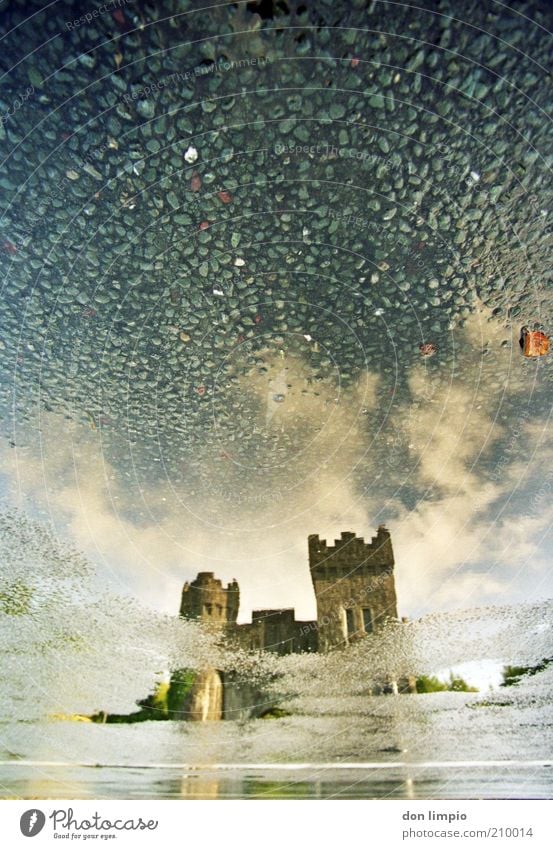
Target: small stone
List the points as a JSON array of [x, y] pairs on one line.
[[145, 108], [184, 337], [90, 169], [224, 196], [239, 262], [173, 200], [534, 343], [337, 110], [35, 77], [153, 146], [87, 59], [191, 154]]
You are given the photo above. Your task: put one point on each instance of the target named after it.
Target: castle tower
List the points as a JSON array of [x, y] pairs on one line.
[[207, 600], [354, 586]]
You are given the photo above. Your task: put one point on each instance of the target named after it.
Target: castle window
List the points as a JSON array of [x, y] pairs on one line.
[[207, 609], [368, 620], [219, 609], [350, 619]]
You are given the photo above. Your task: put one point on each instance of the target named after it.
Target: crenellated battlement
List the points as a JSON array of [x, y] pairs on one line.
[[208, 600], [350, 553]]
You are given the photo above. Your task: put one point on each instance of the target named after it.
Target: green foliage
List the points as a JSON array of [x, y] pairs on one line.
[[459, 685], [155, 707], [431, 684], [164, 703], [275, 713], [181, 684], [15, 598], [513, 674]]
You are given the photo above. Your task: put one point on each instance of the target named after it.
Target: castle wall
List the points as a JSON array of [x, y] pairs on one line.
[[276, 631], [242, 699], [354, 586], [206, 698]]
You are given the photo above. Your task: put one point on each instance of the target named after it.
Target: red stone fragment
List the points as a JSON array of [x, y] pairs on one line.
[[203, 225], [9, 247], [119, 17], [201, 390], [427, 349], [258, 319], [224, 196], [196, 182], [534, 343], [354, 63]]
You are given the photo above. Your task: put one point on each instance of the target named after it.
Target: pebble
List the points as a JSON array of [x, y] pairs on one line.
[[338, 232], [337, 110], [191, 154], [90, 169], [145, 108], [173, 200]]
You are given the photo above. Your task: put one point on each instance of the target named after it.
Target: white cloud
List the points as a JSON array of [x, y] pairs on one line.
[[252, 522]]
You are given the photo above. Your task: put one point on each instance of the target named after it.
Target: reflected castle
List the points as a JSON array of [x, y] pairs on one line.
[[355, 594], [354, 589]]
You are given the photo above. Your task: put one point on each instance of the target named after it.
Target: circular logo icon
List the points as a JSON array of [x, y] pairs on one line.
[[32, 822]]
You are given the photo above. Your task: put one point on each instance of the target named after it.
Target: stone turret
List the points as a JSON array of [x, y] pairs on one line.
[[209, 601], [354, 586]]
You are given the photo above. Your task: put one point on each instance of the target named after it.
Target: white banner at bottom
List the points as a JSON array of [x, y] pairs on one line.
[[275, 824]]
